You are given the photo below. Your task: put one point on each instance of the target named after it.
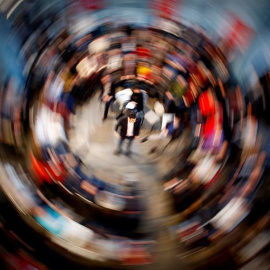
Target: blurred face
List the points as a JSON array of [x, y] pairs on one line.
[[176, 118], [131, 120]]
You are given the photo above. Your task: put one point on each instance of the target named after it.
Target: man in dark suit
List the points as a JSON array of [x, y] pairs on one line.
[[129, 129]]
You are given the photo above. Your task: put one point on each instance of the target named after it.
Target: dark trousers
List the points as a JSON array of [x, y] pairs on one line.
[[107, 106], [121, 140]]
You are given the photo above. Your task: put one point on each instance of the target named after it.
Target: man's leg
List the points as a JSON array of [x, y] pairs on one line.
[[130, 140], [119, 148], [107, 106], [141, 116]]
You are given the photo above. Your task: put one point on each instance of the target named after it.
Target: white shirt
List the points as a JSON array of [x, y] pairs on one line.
[[114, 62], [49, 127], [128, 46], [87, 66], [56, 89], [130, 128]]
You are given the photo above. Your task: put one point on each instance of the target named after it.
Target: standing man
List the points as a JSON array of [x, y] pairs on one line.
[[108, 97], [137, 96], [129, 129]]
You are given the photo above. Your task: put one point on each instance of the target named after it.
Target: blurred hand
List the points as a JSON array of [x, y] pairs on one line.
[[116, 134], [136, 137], [106, 98]]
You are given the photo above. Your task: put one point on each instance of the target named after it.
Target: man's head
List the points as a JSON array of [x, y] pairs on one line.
[[132, 116], [177, 116], [136, 90]]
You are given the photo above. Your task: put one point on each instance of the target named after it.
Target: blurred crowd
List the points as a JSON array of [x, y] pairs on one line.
[[182, 86]]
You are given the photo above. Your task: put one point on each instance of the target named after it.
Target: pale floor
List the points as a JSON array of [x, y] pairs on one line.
[[94, 141]]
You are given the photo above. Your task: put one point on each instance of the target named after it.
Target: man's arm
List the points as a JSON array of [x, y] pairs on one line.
[[116, 128], [137, 127], [117, 125], [116, 134]]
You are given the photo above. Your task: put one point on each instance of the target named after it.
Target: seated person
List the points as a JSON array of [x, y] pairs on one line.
[[136, 102], [167, 130], [173, 129]]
